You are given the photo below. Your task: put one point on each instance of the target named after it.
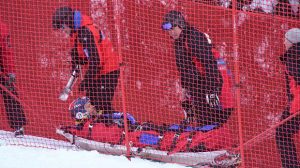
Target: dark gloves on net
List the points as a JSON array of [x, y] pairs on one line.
[[212, 99], [11, 78]]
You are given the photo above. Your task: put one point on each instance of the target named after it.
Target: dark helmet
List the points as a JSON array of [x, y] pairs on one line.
[[173, 19], [63, 15]]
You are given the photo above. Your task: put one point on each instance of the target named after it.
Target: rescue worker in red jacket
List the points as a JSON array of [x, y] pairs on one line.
[[198, 70], [285, 132], [91, 48], [13, 108]]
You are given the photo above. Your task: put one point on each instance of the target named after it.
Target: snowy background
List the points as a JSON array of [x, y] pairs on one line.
[[15, 154]]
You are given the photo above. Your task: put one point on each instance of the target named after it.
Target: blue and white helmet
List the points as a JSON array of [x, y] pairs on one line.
[[78, 110]]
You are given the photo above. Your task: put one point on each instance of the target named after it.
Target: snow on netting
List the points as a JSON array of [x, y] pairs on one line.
[[200, 82]]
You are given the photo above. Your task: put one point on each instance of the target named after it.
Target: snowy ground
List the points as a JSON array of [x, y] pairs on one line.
[[47, 154]]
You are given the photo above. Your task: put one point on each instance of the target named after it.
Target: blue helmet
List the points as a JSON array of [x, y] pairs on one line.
[[77, 108]]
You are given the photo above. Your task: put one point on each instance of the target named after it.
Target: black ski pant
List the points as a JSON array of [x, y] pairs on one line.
[[285, 142], [102, 91], [13, 108]]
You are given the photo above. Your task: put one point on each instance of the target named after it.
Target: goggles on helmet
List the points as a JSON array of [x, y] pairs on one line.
[[167, 26]]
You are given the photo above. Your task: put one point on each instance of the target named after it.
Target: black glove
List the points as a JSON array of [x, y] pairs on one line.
[[212, 99], [189, 111], [11, 78], [9, 82]]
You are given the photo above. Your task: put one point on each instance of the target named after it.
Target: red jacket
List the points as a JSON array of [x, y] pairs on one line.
[[109, 60], [6, 54], [227, 93]]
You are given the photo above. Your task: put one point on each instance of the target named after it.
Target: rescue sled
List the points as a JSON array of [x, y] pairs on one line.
[[218, 158]]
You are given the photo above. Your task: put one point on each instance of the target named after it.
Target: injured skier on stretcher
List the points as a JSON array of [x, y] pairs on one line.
[[109, 128]]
